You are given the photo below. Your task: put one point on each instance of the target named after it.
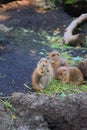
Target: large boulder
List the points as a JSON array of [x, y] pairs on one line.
[[42, 112], [33, 111]]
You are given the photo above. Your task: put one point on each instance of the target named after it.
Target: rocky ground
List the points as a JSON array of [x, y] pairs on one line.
[[41, 112]]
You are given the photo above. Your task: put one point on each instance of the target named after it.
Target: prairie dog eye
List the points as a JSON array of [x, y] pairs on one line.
[[53, 55], [60, 73]]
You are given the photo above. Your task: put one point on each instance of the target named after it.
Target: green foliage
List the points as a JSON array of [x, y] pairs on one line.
[[63, 1], [9, 108], [56, 1], [73, 61], [69, 1], [7, 105], [53, 40]]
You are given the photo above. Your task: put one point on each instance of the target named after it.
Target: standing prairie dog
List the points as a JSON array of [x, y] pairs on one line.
[[42, 75], [70, 75], [56, 61]]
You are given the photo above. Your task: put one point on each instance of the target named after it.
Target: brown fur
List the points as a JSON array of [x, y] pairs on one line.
[[83, 67], [70, 75], [57, 61], [42, 75]]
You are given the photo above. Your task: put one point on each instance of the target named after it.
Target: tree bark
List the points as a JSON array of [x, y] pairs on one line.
[[71, 39]]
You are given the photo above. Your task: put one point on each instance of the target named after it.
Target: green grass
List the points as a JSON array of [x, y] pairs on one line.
[[57, 87], [10, 109]]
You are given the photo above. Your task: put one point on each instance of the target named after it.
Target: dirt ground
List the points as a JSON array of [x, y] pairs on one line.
[[21, 47]]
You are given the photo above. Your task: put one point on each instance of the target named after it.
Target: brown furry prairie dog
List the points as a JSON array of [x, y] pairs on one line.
[[57, 60], [42, 75], [70, 75], [83, 67]]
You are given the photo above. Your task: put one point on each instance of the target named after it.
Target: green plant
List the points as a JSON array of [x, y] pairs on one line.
[[69, 1], [9, 108], [63, 1]]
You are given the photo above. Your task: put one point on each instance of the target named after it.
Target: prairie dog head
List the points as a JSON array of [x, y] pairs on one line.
[[54, 56], [62, 73], [44, 65], [43, 62]]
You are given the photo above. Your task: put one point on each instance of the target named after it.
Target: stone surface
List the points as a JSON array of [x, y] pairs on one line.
[[55, 113], [40, 112]]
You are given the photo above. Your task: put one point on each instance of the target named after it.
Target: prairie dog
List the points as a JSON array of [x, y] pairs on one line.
[[42, 75], [83, 67], [70, 75], [56, 60]]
